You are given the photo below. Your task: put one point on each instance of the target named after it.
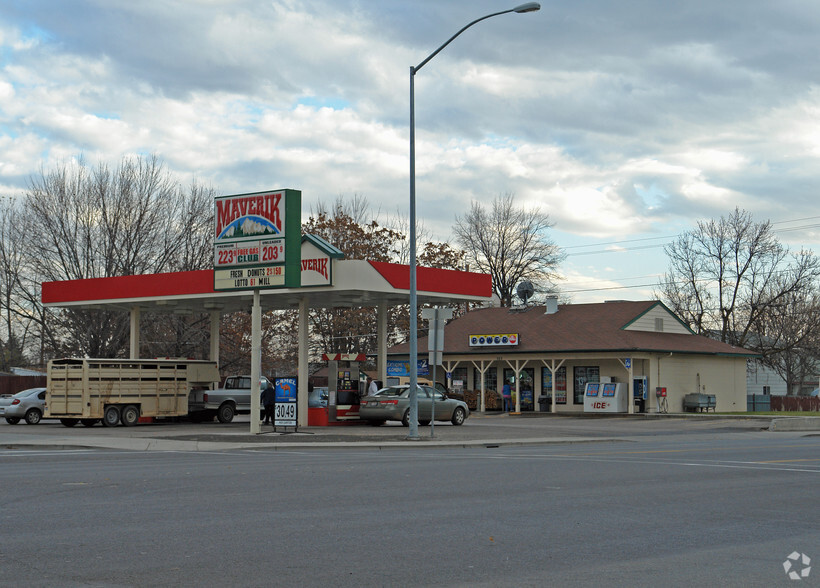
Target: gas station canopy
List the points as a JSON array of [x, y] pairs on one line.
[[354, 283]]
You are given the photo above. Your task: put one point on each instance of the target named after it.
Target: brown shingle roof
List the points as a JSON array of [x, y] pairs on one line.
[[574, 328]]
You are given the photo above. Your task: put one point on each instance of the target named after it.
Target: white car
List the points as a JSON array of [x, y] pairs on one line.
[[29, 405]]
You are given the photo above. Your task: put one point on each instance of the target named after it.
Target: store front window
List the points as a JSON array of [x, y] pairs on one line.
[[459, 380], [560, 384], [490, 379], [492, 397], [583, 374], [526, 386]]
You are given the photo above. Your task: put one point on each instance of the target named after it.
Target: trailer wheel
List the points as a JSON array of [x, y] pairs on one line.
[[130, 415], [89, 422], [111, 416], [68, 422], [225, 413]]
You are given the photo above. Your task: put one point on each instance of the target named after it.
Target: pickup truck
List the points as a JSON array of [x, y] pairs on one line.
[[223, 403]]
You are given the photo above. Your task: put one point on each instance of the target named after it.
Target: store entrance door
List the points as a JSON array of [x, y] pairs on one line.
[[526, 386]]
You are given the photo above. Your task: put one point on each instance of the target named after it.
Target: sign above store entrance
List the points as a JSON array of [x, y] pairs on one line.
[[494, 339]]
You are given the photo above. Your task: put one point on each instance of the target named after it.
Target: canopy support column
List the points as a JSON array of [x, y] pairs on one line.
[[134, 340], [381, 344], [302, 364], [213, 354]]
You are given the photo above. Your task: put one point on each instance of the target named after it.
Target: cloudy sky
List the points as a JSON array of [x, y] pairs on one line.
[[626, 121]]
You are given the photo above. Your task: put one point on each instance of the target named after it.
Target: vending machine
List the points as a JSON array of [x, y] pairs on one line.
[[605, 397]]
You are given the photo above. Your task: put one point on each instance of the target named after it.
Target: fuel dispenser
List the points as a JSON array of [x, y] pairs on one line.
[[343, 386]]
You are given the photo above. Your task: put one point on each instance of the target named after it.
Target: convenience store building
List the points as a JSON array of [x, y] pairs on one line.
[[549, 353]]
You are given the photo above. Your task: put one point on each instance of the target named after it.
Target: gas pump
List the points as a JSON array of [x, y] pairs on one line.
[[343, 386]]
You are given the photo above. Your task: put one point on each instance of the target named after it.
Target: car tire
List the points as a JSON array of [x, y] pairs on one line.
[[405, 420], [424, 423], [33, 416], [68, 422], [12, 420], [89, 422], [458, 416], [111, 416], [225, 413], [375, 423], [130, 415]]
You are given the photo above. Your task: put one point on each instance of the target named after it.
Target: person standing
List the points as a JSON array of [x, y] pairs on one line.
[[269, 403], [372, 386], [506, 394]]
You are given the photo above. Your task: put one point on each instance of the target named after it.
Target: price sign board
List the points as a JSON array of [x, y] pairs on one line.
[[257, 240], [249, 278], [284, 413]]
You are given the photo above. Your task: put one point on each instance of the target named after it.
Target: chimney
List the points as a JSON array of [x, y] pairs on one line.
[[552, 304]]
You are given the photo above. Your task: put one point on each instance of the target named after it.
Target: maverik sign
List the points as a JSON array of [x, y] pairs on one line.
[[257, 240]]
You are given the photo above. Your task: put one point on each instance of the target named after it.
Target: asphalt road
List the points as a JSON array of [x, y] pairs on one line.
[[711, 506]]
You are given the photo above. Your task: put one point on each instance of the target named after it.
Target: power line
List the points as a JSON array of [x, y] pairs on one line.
[[655, 246]]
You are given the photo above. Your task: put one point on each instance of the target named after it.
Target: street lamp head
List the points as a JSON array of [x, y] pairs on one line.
[[528, 7]]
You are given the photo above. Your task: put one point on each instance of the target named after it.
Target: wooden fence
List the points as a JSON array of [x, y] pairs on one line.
[[795, 403], [14, 384]]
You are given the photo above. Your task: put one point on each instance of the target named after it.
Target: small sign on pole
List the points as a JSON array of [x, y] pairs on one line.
[[285, 411], [435, 344]]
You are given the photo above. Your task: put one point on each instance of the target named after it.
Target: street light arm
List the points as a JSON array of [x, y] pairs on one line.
[[528, 7], [451, 39]]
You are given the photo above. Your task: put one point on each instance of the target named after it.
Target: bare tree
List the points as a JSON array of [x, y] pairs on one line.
[[789, 338], [509, 243], [16, 320], [88, 223], [731, 279]]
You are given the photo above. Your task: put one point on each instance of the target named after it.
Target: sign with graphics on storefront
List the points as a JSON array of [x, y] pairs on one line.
[[317, 261], [402, 368], [493, 339], [257, 240]]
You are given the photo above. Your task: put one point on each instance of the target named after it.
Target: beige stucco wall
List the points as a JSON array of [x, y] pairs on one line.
[[724, 377]]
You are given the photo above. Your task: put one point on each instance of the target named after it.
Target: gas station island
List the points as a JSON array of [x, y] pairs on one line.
[[263, 263]]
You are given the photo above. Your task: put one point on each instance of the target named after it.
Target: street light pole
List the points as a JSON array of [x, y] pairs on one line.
[[414, 407]]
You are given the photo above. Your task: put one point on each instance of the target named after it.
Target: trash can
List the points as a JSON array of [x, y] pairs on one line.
[[544, 403]]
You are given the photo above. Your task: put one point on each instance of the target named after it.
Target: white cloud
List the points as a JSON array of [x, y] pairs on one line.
[[619, 122]]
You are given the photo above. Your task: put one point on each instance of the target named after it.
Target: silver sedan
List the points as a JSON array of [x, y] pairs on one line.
[[393, 404], [28, 404]]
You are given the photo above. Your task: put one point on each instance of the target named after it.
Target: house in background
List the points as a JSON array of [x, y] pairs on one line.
[[763, 380]]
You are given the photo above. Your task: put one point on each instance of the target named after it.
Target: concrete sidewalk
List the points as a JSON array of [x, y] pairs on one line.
[[480, 430]]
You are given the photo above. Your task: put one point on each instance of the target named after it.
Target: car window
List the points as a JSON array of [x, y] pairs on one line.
[[42, 395], [440, 397], [391, 391]]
